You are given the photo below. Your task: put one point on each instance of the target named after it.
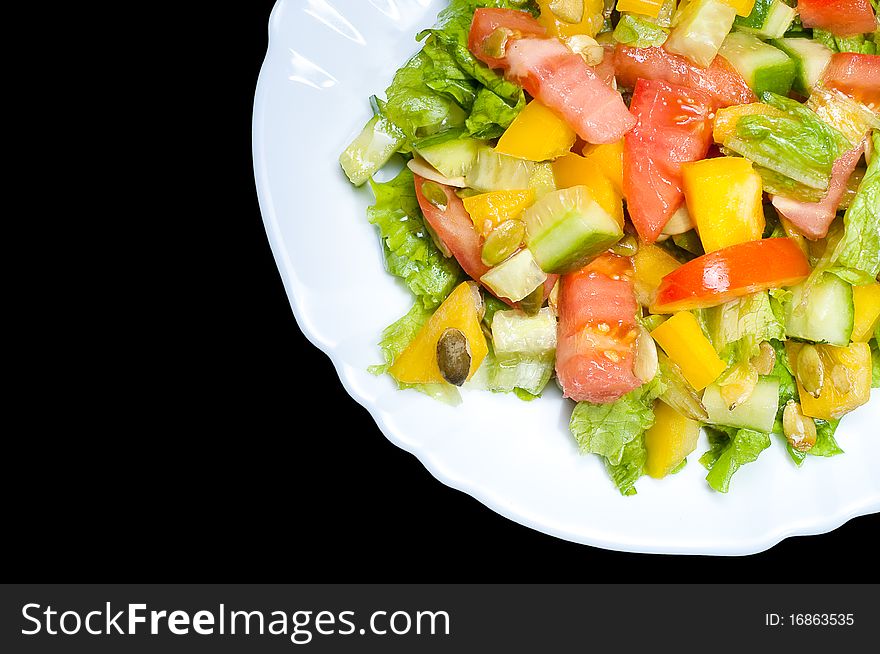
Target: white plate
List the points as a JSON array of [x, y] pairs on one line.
[[324, 61]]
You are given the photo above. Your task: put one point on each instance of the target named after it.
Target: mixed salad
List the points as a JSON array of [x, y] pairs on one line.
[[672, 208]]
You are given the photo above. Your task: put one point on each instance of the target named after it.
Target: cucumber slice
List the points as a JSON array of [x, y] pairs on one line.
[[699, 29], [763, 67], [515, 334], [492, 171], [516, 277], [758, 412], [567, 228], [825, 315], [769, 19], [810, 59], [371, 149], [449, 153]]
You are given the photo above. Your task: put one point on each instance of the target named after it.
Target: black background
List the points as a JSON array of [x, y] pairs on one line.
[[199, 436]]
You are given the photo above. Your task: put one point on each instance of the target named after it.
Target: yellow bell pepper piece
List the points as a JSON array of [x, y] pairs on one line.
[[417, 364], [590, 24], [652, 263], [575, 170], [644, 7], [536, 134], [488, 210], [867, 312], [669, 440], [609, 158], [743, 7], [832, 402], [726, 118], [684, 342], [724, 198]]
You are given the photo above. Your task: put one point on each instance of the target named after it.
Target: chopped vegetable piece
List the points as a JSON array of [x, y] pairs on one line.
[[857, 75], [811, 58], [735, 271], [699, 30], [769, 19], [669, 440], [720, 80], [639, 33], [758, 412], [674, 126], [371, 150], [832, 403], [609, 158], [461, 311], [866, 300], [814, 218], [645, 7], [488, 210], [567, 228], [724, 196], [652, 263], [560, 79], [848, 116], [597, 331], [573, 170], [763, 67], [452, 224], [485, 28], [727, 117], [840, 17], [516, 278], [536, 134], [684, 342], [821, 310]]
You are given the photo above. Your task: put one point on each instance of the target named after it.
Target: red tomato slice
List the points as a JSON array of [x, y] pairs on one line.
[[553, 74], [732, 272], [597, 331], [720, 80], [857, 75], [840, 17], [487, 20], [814, 218], [563, 81], [674, 127], [453, 226]]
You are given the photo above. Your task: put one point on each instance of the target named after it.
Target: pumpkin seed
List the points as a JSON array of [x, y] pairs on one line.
[[800, 430], [810, 371], [587, 47], [495, 45], [503, 241], [765, 360], [570, 11], [646, 363], [454, 356], [435, 194], [840, 378], [626, 247]]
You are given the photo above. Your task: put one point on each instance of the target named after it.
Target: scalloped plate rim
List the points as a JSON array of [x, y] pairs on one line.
[[471, 487]]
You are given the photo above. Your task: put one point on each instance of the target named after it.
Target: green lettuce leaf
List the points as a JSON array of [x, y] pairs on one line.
[[409, 251], [606, 429], [491, 115], [395, 338], [798, 145], [825, 445], [415, 108], [857, 256], [639, 33], [626, 473], [740, 325], [729, 451], [857, 43]]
